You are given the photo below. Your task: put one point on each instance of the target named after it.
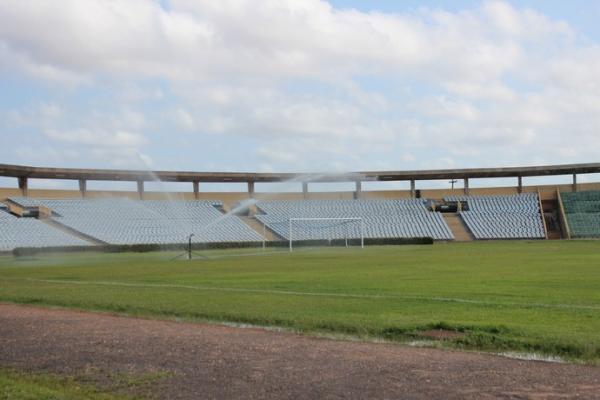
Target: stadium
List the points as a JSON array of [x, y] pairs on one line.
[[504, 270], [299, 199], [42, 219]]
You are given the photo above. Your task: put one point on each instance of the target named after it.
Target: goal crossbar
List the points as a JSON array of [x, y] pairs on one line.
[[349, 219]]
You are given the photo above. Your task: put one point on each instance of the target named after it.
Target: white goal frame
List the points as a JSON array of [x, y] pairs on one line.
[[362, 228]]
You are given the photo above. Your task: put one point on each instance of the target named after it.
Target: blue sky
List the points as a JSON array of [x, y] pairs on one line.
[[299, 85]]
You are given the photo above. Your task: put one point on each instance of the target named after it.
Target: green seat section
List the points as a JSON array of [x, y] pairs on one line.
[[582, 210]]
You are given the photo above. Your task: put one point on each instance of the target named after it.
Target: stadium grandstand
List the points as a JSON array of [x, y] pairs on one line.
[[61, 218], [582, 211]]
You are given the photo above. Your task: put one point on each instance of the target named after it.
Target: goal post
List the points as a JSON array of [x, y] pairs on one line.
[[329, 223]]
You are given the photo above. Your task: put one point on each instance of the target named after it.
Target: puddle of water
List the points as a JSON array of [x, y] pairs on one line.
[[421, 343], [531, 357]]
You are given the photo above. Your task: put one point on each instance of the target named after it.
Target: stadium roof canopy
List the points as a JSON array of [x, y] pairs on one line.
[[26, 172]]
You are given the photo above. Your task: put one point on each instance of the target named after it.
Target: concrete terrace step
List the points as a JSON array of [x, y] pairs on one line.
[[73, 232], [260, 228], [457, 226]]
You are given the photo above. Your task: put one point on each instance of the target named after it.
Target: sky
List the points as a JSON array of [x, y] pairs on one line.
[[299, 85]]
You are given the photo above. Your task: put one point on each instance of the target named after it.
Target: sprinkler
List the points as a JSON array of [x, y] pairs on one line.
[[190, 246], [188, 251]]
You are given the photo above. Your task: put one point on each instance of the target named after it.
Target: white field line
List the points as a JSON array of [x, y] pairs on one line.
[[312, 294]]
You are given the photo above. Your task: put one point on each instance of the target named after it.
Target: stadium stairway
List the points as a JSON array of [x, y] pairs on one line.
[[44, 214], [550, 212], [457, 226], [15, 208], [73, 232], [261, 229]]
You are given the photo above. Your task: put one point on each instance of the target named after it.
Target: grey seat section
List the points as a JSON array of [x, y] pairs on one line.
[[503, 217], [125, 221], [380, 219], [30, 232]]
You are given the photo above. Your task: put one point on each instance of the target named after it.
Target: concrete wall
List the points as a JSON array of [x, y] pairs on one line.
[[547, 192]]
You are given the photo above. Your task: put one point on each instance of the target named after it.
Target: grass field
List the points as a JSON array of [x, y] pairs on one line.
[[15, 385], [541, 297]]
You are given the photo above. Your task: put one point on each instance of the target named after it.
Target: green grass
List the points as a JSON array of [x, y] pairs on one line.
[[20, 386], [540, 297]]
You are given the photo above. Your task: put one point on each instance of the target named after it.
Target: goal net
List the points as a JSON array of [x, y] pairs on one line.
[[341, 231]]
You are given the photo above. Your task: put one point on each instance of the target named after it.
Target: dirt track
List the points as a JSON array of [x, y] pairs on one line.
[[207, 361]]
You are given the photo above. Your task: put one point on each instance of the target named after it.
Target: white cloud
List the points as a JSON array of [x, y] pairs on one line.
[[41, 114], [283, 38], [44, 155], [122, 157], [492, 84], [184, 119], [98, 138], [130, 92]]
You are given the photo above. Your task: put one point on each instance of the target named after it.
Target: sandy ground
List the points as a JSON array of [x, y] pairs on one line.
[[218, 362]]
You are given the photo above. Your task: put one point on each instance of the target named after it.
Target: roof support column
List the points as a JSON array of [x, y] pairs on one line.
[[196, 189], [358, 191], [83, 187], [520, 184], [23, 185], [305, 190], [412, 188], [251, 189], [140, 188], [574, 182], [466, 186]]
